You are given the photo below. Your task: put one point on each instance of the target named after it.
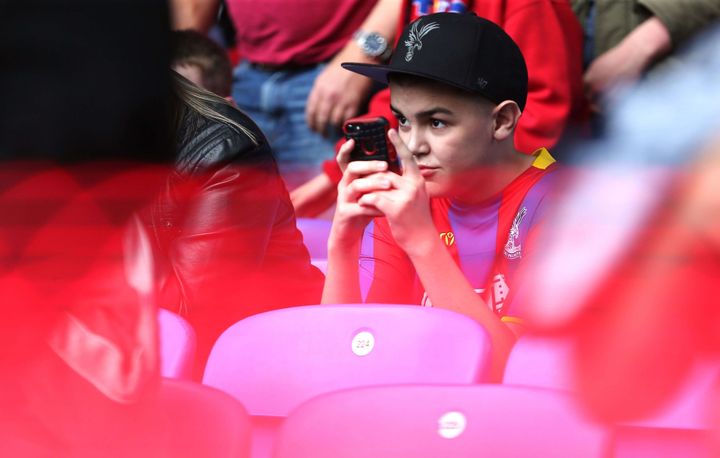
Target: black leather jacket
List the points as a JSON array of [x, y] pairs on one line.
[[226, 230]]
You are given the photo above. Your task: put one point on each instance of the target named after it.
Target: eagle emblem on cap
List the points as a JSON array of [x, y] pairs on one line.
[[414, 41]]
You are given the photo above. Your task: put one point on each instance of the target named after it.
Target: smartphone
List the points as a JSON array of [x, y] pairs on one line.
[[371, 142]]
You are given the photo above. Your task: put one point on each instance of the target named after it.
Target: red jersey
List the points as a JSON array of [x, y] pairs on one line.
[[488, 241]]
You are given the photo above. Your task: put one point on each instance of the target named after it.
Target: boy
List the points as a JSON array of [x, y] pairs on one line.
[[454, 224]]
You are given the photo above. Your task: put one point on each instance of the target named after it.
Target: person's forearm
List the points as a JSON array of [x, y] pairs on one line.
[[684, 19], [629, 60], [313, 197], [448, 288], [651, 40], [342, 285], [383, 19]]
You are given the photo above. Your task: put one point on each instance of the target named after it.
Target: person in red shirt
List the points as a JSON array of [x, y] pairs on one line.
[[457, 220]]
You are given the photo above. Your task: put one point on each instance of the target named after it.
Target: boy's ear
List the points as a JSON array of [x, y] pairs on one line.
[[506, 116]]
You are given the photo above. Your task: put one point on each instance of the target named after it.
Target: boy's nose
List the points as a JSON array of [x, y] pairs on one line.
[[417, 143]]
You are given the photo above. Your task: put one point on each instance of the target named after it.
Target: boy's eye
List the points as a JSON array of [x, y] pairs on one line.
[[402, 120], [436, 123]]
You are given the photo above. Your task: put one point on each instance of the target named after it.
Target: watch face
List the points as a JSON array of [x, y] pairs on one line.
[[374, 44]]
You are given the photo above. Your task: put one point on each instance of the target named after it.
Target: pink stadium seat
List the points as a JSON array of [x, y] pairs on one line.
[[547, 362], [678, 429], [540, 362], [650, 442], [177, 345], [315, 235], [688, 408], [276, 360], [273, 361], [203, 422], [185, 420], [440, 421]]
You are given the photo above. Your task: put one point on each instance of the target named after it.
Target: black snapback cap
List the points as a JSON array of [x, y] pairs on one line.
[[461, 50]]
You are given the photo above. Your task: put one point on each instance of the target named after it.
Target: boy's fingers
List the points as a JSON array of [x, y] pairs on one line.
[[366, 167], [343, 156], [362, 185], [382, 201], [357, 169], [410, 168], [362, 210]]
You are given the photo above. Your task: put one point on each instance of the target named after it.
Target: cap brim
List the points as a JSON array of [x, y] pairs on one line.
[[377, 72], [380, 73]]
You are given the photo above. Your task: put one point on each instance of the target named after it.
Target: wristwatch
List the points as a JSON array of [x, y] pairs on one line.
[[372, 44]]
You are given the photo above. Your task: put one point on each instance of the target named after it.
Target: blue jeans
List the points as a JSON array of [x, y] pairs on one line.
[[276, 100]]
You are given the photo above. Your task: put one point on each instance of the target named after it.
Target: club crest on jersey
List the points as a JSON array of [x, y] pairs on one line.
[[513, 249], [414, 41], [448, 238]]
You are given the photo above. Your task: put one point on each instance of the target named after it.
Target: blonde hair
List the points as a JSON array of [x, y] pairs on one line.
[[200, 101]]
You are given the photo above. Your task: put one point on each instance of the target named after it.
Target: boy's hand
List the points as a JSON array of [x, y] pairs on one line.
[[359, 178], [343, 155], [404, 202]]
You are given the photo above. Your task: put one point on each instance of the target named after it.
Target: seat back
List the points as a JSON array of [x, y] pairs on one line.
[[274, 361], [203, 421], [434, 421], [690, 407], [540, 362], [652, 442], [546, 362], [178, 343], [180, 420]]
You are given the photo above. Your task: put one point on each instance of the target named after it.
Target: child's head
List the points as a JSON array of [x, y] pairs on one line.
[[458, 84], [202, 61]]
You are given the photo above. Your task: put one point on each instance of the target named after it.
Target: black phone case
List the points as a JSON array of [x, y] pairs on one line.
[[371, 142]]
